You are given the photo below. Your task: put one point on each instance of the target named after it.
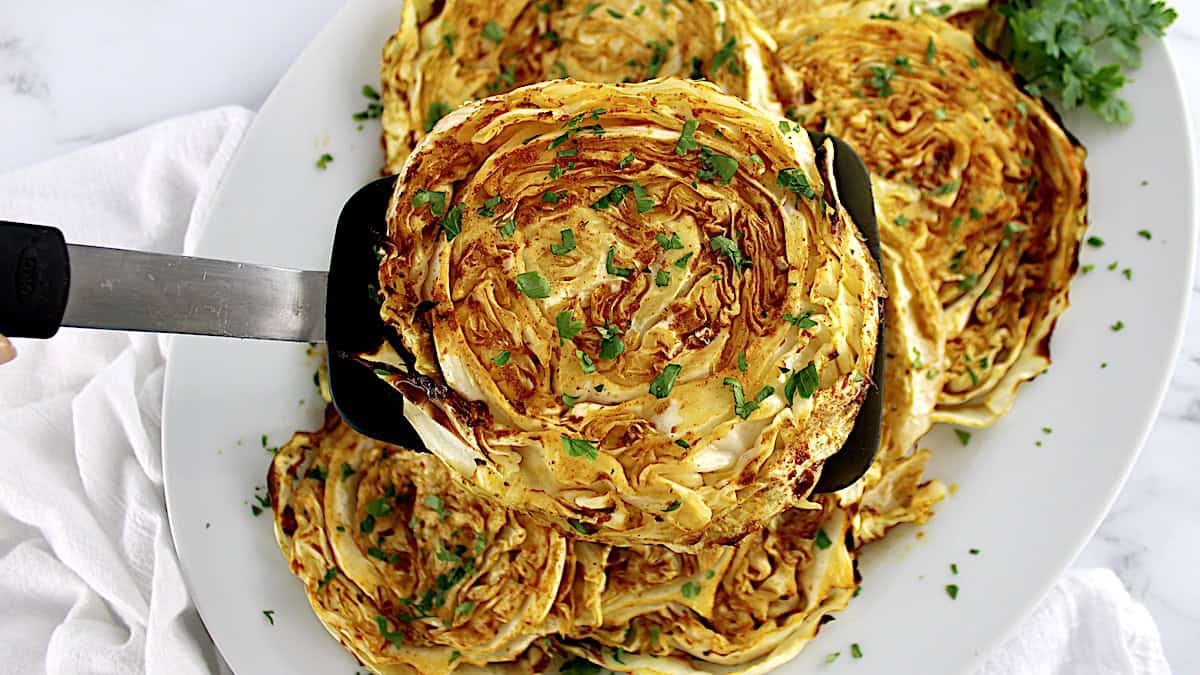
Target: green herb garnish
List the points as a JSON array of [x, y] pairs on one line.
[[567, 245], [437, 110], [492, 31], [804, 382], [687, 138], [665, 381], [611, 345], [609, 267], [581, 447], [568, 328], [533, 285], [729, 248], [1061, 48]]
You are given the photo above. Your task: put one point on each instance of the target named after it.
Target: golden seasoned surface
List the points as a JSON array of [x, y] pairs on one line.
[[384, 542], [981, 201], [415, 575], [980, 193], [651, 314], [448, 53]]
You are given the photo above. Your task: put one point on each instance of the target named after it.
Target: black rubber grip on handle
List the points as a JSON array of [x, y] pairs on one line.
[[35, 278]]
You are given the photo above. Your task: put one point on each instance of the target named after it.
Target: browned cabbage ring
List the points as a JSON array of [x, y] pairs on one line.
[[636, 311]]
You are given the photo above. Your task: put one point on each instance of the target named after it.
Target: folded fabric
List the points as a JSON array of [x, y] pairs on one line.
[[89, 581], [1087, 625]]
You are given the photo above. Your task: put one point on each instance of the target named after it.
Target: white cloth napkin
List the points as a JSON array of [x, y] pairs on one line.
[[89, 581]]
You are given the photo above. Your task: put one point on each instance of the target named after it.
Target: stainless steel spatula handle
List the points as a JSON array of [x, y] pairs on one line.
[[46, 283]]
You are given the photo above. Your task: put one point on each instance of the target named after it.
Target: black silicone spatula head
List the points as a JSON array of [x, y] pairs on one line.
[[861, 446], [353, 326]]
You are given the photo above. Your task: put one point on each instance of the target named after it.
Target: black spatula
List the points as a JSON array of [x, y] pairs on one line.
[[46, 283]]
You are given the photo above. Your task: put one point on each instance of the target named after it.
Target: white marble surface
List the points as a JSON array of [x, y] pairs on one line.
[[73, 73]]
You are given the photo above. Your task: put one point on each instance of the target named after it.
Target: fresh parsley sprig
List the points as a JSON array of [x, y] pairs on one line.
[[1080, 49]]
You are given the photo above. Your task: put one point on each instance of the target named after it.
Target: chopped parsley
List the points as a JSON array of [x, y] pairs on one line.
[[435, 200], [533, 285], [802, 321], [952, 591], [464, 608], [690, 589], [687, 138], [665, 381], [822, 539], [832, 657], [804, 382], [508, 228], [270, 614], [452, 222], [492, 31], [626, 161], [611, 268], [641, 198], [944, 189], [380, 507], [502, 358], [968, 282], [1095, 242], [930, 51], [973, 551], [741, 362], [901, 220], [953, 568], [569, 400], [614, 13], [682, 263], [437, 110], [713, 165], [611, 345], [675, 504], [568, 327], [437, 504], [656, 59], [614, 197], [489, 206], [586, 362], [1144, 234], [396, 638], [1117, 326], [552, 197], [726, 54], [567, 245], [669, 243], [881, 80], [324, 160], [856, 651], [683, 444], [729, 248], [581, 447], [743, 407], [964, 437], [329, 575], [794, 181], [662, 278]]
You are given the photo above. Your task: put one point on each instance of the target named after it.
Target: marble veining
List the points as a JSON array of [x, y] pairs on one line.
[[71, 75]]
